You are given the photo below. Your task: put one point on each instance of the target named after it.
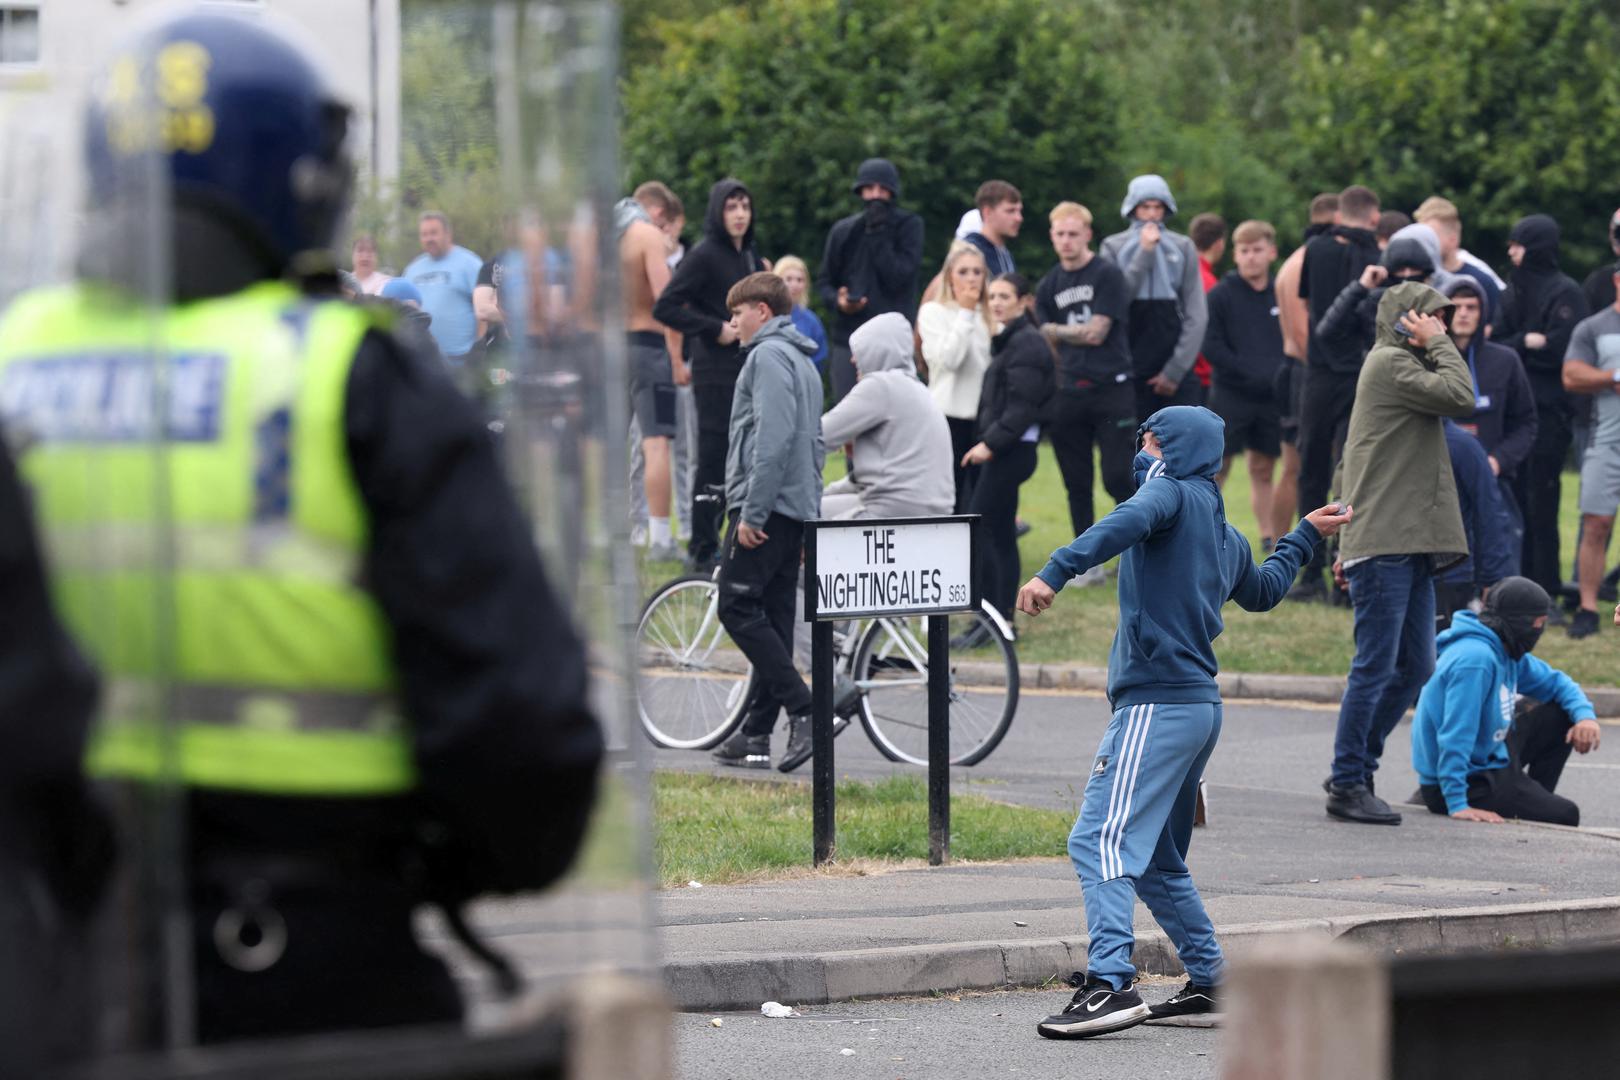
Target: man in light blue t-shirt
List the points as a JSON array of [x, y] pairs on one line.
[[446, 275]]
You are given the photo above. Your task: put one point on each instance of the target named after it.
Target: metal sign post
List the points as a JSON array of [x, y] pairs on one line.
[[887, 568]]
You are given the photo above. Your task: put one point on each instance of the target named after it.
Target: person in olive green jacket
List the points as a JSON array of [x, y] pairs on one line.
[[1396, 472]]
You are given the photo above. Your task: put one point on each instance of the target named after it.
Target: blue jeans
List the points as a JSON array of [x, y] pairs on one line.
[[1393, 597]]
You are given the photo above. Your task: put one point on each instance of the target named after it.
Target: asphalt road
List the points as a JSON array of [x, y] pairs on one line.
[[1273, 750], [979, 1035]]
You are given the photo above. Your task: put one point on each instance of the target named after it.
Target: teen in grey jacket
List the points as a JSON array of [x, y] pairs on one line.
[[1168, 314], [773, 464], [902, 452]]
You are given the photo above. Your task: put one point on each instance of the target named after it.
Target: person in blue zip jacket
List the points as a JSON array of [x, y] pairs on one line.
[[1180, 561], [1475, 761]]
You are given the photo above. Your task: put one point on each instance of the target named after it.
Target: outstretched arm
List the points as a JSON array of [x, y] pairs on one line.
[[1261, 588]]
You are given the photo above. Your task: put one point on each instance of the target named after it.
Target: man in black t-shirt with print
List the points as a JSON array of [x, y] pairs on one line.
[[1082, 304]]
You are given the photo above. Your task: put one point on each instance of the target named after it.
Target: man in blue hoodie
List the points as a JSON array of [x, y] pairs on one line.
[[773, 486], [1179, 563], [1473, 759]]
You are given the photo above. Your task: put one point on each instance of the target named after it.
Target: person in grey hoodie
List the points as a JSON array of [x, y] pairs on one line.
[[1168, 314], [773, 486], [902, 444]]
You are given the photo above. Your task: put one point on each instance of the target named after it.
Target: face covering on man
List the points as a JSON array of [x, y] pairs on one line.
[[1512, 607]]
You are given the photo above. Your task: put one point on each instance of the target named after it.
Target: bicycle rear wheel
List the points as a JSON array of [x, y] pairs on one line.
[[891, 667], [692, 682]]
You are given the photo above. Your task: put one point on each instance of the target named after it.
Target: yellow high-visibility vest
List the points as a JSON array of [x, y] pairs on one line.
[[205, 534]]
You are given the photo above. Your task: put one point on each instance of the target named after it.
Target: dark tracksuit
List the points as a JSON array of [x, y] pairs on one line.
[[1179, 563], [1243, 345], [694, 303], [1332, 260], [1094, 401], [1541, 299], [875, 254], [1013, 400], [1493, 540]]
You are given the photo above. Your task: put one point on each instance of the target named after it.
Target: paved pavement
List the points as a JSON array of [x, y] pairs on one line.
[[1270, 856], [1270, 859], [978, 1034]]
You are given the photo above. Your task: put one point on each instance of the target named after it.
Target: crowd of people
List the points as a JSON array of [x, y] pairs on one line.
[[939, 396]]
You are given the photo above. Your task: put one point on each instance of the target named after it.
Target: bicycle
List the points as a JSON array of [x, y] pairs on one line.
[[694, 684]]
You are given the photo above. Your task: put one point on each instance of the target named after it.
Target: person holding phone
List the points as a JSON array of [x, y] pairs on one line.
[[1395, 460]]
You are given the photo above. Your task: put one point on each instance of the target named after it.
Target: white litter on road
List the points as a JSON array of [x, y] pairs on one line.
[[777, 1011]]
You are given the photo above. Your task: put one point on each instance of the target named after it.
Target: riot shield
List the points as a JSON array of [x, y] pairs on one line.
[[498, 115], [88, 387]]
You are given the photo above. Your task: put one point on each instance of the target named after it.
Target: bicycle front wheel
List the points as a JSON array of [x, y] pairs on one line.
[[891, 668], [692, 682]]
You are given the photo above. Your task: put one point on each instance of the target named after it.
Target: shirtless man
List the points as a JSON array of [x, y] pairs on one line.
[[644, 270], [1294, 317]]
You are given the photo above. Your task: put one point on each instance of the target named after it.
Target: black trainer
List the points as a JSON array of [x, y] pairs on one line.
[[1356, 802], [799, 747], [1192, 1006], [1583, 624], [1095, 1009], [744, 751]]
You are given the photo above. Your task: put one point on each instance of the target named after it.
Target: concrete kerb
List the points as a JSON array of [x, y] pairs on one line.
[[1319, 689], [703, 985]]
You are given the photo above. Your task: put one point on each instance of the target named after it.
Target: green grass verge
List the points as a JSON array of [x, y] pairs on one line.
[[717, 830], [1294, 639]]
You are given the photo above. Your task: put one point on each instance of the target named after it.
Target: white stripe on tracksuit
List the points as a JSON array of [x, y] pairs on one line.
[[1129, 763], [1156, 469]]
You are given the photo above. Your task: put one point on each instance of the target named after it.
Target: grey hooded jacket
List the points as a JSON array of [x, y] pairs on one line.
[[902, 454], [1168, 310], [773, 464]]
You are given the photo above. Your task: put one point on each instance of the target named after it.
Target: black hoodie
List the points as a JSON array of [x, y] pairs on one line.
[[1332, 261], [694, 301], [1243, 342], [874, 254], [1540, 299]]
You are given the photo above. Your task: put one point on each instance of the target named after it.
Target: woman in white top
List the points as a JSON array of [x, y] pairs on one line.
[[955, 333]]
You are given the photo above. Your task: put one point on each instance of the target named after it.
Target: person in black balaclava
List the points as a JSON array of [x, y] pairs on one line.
[[1539, 313], [870, 265], [1475, 761], [1353, 316]]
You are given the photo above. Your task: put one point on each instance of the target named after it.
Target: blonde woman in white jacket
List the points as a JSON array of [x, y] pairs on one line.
[[955, 333]]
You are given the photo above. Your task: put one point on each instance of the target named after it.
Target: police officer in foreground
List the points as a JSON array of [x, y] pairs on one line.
[[376, 700]]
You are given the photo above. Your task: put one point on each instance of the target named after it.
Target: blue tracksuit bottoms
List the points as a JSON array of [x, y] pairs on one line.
[[1132, 835]]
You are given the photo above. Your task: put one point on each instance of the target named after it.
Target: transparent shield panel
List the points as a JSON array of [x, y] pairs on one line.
[[88, 384], [500, 114], [554, 381]]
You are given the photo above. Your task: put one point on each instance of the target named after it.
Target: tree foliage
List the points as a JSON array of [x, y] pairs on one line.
[[1507, 107], [790, 96]]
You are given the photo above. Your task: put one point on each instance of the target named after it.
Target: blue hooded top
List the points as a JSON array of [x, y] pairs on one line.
[[1466, 707], [1180, 562]]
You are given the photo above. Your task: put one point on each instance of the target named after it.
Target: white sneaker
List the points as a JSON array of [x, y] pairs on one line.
[[1094, 576], [638, 534]]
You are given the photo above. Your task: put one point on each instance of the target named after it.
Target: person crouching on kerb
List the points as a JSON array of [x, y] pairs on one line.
[[1475, 759], [1180, 561]]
